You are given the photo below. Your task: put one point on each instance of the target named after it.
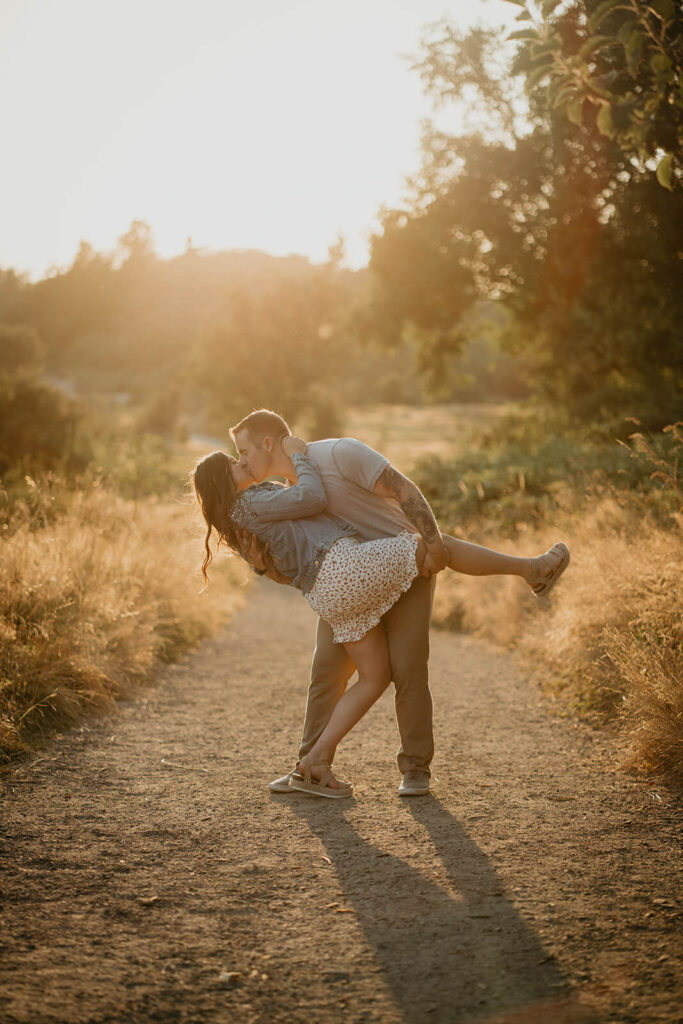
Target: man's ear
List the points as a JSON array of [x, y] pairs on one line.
[[268, 444]]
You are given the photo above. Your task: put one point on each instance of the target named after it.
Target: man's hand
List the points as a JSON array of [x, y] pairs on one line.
[[435, 560], [254, 551], [292, 445]]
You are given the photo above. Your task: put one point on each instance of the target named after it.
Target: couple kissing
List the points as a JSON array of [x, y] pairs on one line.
[[361, 543]]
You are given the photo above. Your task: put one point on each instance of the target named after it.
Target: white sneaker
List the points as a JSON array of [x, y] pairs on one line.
[[281, 785], [415, 783]]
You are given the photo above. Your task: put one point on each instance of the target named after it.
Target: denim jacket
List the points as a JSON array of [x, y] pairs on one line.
[[293, 520]]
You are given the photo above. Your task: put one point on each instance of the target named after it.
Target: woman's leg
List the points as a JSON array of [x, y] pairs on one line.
[[475, 560], [371, 658]]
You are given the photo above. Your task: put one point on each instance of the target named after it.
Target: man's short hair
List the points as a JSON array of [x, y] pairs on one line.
[[261, 423]]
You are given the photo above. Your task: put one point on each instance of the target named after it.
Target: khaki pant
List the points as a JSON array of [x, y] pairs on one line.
[[407, 629]]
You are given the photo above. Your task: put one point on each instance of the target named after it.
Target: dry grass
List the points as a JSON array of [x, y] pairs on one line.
[[610, 638], [92, 601]]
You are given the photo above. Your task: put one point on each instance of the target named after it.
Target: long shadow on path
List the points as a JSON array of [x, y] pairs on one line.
[[453, 949]]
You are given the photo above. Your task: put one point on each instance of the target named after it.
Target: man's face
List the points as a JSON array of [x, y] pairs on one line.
[[241, 477], [254, 458]]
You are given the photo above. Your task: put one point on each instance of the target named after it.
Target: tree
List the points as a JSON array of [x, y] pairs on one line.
[[623, 59], [274, 343], [553, 222], [137, 243]]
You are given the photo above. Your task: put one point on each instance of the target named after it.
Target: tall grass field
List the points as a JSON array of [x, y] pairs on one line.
[[609, 639], [96, 590]]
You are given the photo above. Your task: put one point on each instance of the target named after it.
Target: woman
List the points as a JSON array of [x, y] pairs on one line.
[[348, 583]]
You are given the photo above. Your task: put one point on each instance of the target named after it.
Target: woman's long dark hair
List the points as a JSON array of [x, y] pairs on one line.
[[216, 492]]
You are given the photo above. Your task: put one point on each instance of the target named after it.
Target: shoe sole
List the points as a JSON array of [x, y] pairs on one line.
[[413, 792], [331, 794]]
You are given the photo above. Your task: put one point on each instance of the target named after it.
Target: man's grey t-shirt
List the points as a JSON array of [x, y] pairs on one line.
[[350, 469]]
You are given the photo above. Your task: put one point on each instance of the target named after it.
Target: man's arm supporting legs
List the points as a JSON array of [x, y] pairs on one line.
[[330, 672], [407, 629]]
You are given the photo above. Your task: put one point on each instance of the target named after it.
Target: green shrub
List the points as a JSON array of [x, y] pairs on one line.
[[39, 427], [505, 482]]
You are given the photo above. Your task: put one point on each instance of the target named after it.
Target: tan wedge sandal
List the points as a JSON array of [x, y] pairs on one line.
[[543, 582], [318, 787]]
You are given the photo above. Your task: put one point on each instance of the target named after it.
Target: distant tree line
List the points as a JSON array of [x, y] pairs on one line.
[[206, 336]]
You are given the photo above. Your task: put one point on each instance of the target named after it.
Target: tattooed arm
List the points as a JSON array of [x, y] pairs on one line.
[[392, 484]]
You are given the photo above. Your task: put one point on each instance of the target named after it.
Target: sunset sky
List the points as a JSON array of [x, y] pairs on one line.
[[263, 124]]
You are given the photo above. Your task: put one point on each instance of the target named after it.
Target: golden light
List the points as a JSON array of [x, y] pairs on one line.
[[272, 126]]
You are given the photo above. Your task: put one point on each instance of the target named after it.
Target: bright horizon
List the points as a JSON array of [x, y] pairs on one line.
[[258, 126]]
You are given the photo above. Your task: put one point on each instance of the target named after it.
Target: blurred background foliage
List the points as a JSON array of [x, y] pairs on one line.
[[618, 62], [190, 343], [535, 258]]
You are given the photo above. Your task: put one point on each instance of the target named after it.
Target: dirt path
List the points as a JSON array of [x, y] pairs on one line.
[[537, 884]]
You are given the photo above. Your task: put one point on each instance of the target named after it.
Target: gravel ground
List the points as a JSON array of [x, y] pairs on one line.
[[149, 875]]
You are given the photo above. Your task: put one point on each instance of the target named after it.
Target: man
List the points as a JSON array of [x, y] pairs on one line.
[[370, 494]]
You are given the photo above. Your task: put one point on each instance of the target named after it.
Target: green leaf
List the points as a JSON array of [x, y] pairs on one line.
[[564, 95], [660, 64], [604, 121], [633, 51], [664, 172], [622, 113], [607, 80], [626, 31], [575, 110], [548, 6], [523, 16], [600, 12], [556, 85], [524, 33], [666, 9], [534, 77], [539, 49], [595, 43]]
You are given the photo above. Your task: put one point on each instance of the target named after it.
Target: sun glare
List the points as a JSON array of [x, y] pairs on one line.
[[274, 126]]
